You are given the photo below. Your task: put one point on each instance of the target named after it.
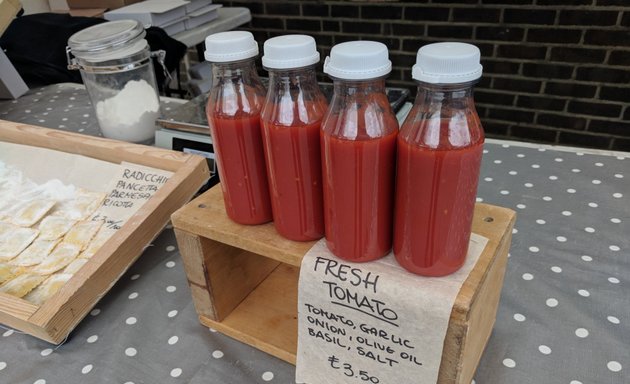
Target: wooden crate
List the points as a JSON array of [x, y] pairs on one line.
[[244, 279], [58, 316]]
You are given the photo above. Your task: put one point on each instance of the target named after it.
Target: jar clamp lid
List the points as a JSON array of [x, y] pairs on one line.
[[447, 63], [358, 60], [106, 41], [290, 51], [229, 46]]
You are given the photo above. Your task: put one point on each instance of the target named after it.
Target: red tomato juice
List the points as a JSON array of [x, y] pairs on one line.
[[295, 177], [241, 163], [358, 193], [435, 201]]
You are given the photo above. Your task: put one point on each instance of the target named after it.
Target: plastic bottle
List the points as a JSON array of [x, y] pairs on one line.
[[358, 153], [291, 120], [233, 111], [439, 156]]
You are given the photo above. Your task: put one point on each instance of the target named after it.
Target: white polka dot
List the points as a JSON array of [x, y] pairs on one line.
[[561, 239], [509, 363], [589, 229], [535, 166], [613, 319], [552, 177], [599, 164], [498, 161], [514, 231], [87, 369], [581, 332], [584, 293], [133, 295], [556, 269], [170, 248], [488, 179], [27, 111], [46, 352], [547, 198], [86, 115], [528, 185], [39, 381], [567, 213], [528, 276], [212, 330], [614, 366], [534, 249], [617, 195], [3, 365], [504, 192], [521, 206], [596, 181], [505, 146], [217, 354], [619, 175], [513, 173], [541, 149], [129, 382], [172, 313], [614, 248], [172, 340], [42, 121], [8, 333], [541, 221], [485, 151], [170, 264], [520, 155], [171, 288], [587, 258], [613, 280], [131, 352], [593, 205], [92, 339], [571, 190], [95, 312], [575, 170], [575, 382], [621, 157], [135, 277], [615, 220], [558, 160], [479, 199], [551, 302], [267, 376], [545, 350], [131, 320], [519, 317], [176, 372]]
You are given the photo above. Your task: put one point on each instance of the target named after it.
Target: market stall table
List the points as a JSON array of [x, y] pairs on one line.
[[564, 315]]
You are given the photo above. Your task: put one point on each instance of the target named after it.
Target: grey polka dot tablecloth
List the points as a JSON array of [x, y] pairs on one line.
[[564, 315]]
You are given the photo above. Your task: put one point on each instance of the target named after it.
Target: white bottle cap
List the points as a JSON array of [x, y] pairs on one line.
[[357, 60], [290, 51], [447, 63], [230, 46]]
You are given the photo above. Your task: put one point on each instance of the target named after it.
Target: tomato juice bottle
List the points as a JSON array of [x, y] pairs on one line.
[[439, 157], [358, 153], [233, 110], [291, 120]]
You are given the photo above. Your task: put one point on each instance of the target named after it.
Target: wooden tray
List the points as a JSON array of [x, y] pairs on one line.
[[243, 281], [58, 316]]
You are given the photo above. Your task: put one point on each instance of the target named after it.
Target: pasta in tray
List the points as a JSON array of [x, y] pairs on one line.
[[43, 230]]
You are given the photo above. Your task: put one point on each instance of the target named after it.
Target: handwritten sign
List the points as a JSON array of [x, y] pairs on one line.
[[373, 322], [130, 187]]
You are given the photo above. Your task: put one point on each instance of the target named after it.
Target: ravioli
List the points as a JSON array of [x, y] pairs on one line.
[[31, 212], [60, 257], [7, 272], [81, 206], [53, 227], [74, 267], [22, 284], [14, 240], [82, 232], [35, 253], [97, 242], [48, 288]]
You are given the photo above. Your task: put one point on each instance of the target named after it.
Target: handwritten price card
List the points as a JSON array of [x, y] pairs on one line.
[[373, 322]]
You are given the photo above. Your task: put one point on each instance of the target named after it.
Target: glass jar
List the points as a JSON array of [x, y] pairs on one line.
[[116, 68], [439, 156], [233, 110], [358, 153], [291, 121]]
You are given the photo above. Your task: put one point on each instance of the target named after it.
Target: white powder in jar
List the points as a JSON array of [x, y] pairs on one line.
[[131, 114]]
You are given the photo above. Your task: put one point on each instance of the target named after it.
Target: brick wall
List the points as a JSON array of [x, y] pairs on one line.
[[555, 71]]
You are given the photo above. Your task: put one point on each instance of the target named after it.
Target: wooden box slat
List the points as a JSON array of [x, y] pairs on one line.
[[263, 313], [56, 318]]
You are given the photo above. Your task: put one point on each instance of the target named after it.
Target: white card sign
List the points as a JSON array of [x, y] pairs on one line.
[[373, 322]]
